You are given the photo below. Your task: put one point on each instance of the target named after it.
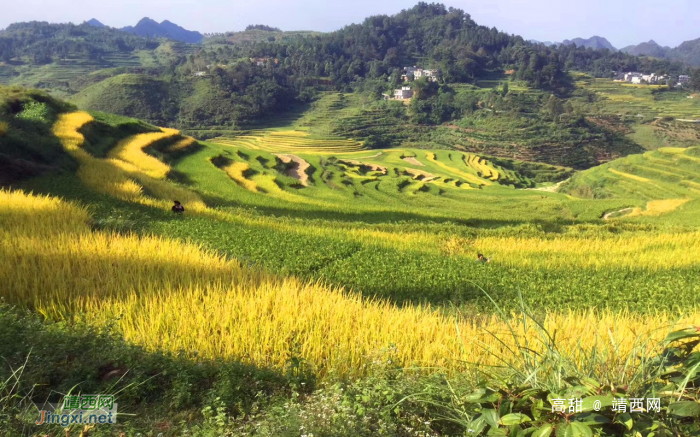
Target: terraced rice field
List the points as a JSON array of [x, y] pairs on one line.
[[288, 142], [639, 100], [343, 164], [655, 183]]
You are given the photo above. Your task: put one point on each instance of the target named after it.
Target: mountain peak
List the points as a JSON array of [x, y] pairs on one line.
[[594, 42], [94, 23], [148, 27], [146, 20]]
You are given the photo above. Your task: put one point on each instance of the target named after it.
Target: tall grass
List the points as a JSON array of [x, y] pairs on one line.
[[131, 151], [178, 297]]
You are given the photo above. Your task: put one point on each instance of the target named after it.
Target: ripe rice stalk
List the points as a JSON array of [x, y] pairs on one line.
[[171, 296]]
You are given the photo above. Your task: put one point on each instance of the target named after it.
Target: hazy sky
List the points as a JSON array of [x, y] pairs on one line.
[[622, 22]]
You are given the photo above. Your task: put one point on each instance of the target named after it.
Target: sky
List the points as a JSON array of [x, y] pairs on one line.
[[622, 23]]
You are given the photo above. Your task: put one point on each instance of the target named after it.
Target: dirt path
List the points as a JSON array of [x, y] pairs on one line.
[[552, 188], [373, 156], [426, 177], [413, 160], [299, 170], [625, 211]]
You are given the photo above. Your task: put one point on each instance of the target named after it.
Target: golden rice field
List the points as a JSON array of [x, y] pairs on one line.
[[128, 170], [172, 296], [289, 141]]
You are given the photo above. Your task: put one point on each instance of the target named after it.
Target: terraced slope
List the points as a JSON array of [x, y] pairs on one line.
[[656, 182], [270, 158], [638, 100], [288, 142]]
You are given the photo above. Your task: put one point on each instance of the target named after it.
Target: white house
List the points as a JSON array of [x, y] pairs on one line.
[[404, 93], [684, 78], [629, 77], [431, 75]]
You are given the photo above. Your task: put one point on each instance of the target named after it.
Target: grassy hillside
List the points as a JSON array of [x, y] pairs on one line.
[[655, 184], [632, 100], [516, 131], [138, 95], [311, 277]]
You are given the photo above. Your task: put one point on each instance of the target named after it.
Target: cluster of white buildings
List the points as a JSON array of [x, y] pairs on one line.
[[652, 79], [417, 73], [412, 73], [638, 78]]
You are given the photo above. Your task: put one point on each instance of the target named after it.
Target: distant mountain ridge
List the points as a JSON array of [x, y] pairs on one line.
[[650, 48], [547, 43], [688, 52], [151, 28], [594, 42]]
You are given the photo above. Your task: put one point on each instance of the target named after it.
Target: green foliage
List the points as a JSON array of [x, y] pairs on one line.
[[27, 146], [137, 96], [549, 393]]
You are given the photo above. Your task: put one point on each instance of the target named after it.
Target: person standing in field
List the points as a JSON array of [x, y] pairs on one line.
[[178, 208], [482, 258]]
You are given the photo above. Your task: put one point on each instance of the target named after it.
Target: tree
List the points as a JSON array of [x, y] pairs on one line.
[[694, 83], [553, 108]]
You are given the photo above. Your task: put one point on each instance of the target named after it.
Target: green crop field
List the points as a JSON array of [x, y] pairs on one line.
[[639, 100]]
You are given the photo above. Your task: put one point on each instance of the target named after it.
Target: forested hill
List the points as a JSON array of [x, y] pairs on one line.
[[430, 34], [41, 42], [216, 83], [427, 34]]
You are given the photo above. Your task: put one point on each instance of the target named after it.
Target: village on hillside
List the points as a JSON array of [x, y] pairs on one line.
[[650, 79]]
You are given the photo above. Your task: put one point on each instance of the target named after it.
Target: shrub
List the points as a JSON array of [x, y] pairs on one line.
[[35, 111], [4, 127]]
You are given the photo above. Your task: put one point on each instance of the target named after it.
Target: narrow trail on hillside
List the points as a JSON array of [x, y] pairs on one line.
[[552, 188], [299, 170], [623, 212], [413, 160], [372, 156]]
